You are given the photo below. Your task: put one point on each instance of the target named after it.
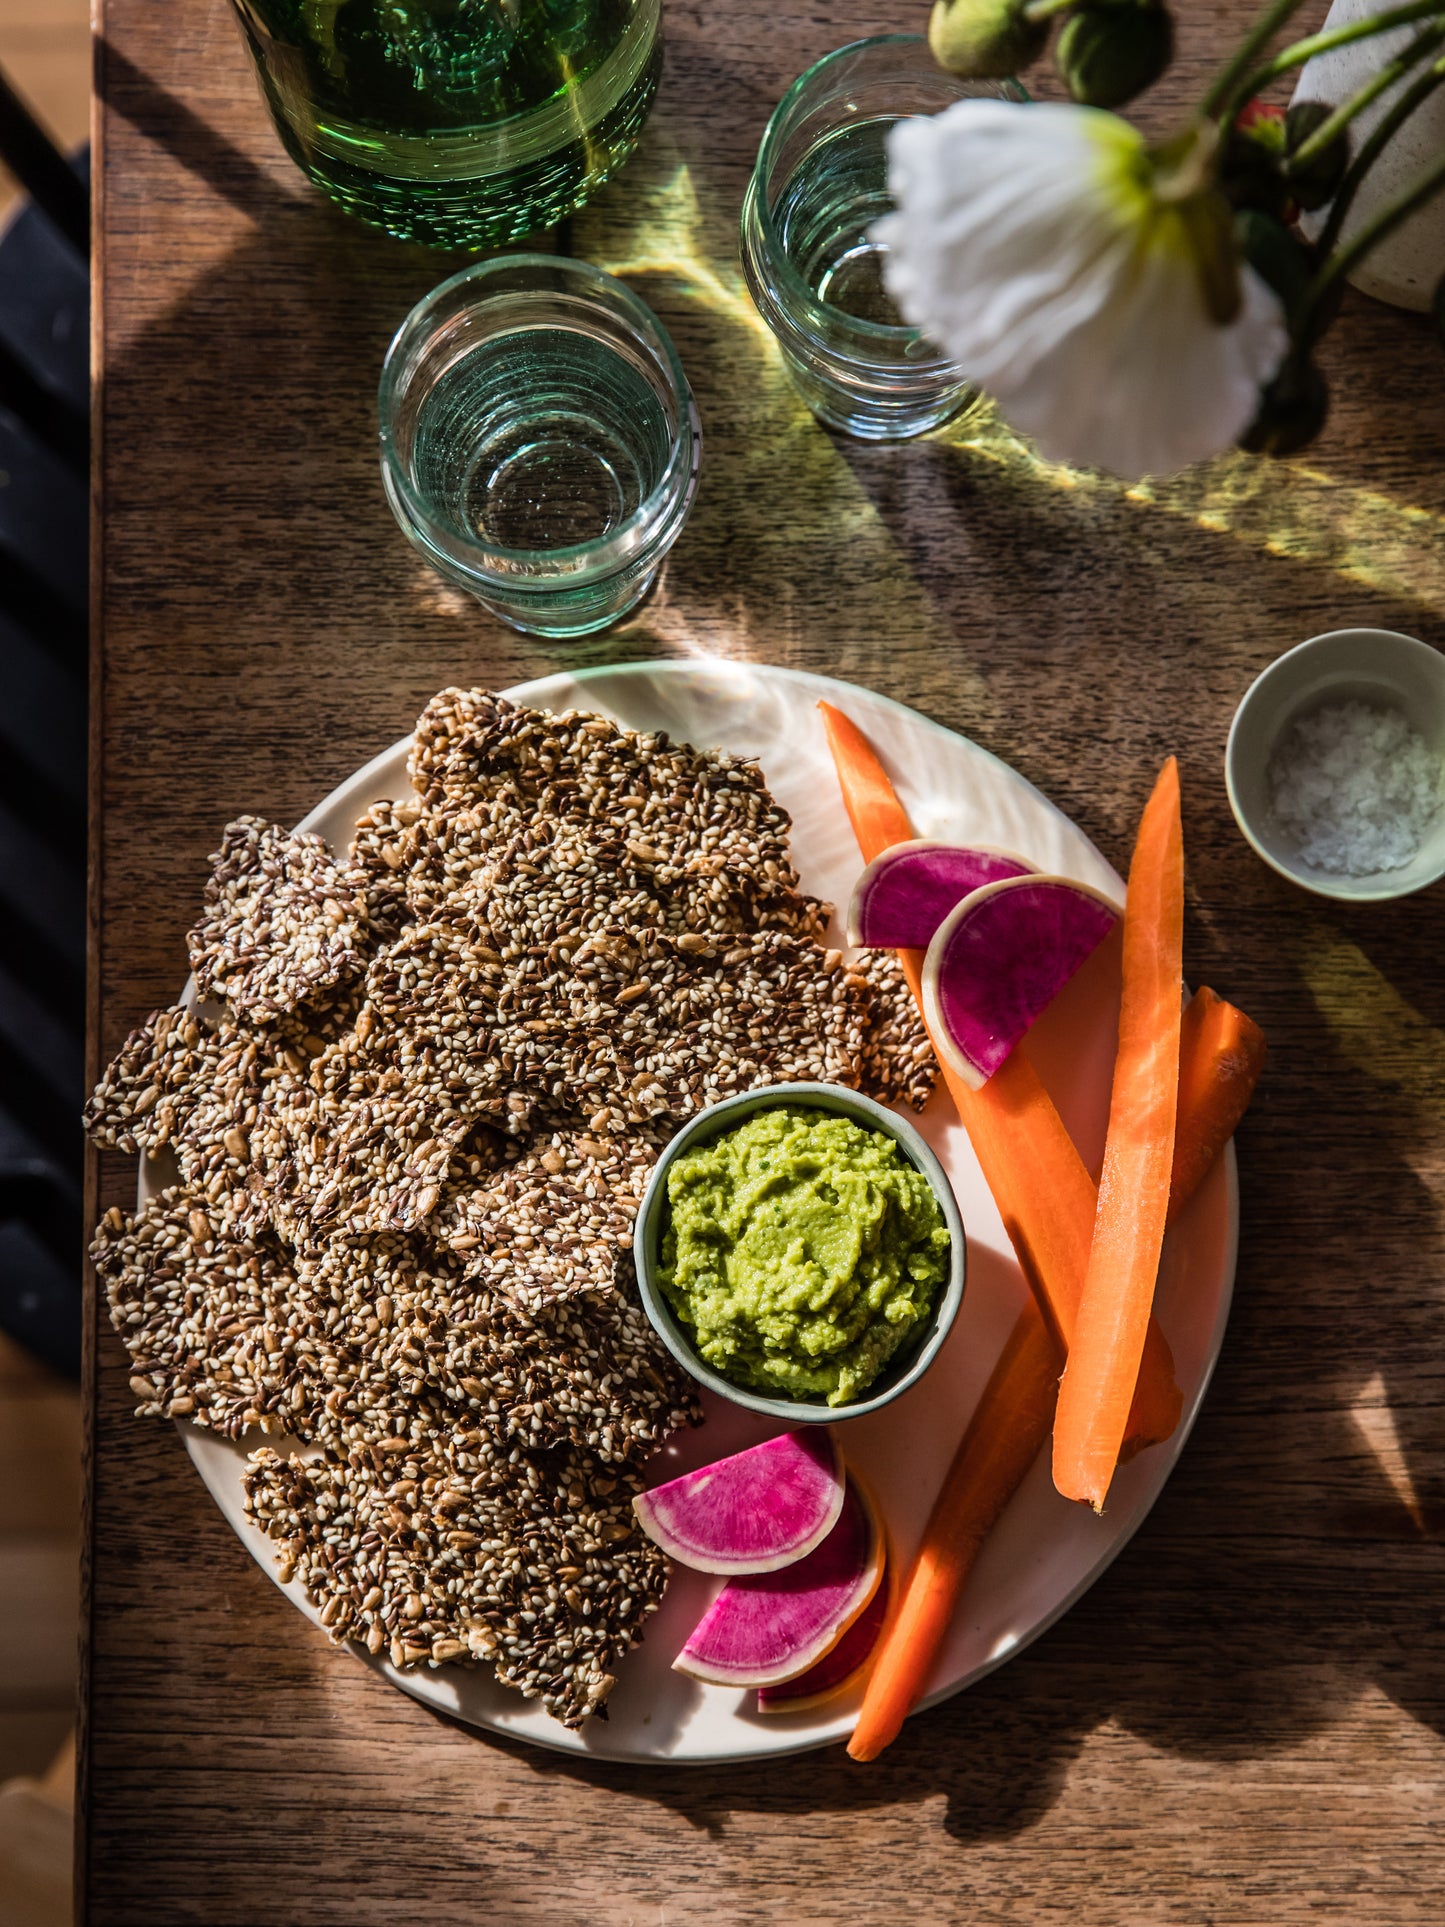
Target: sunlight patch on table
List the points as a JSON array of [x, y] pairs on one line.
[[1283, 509], [1372, 1417], [1378, 1031], [798, 532]]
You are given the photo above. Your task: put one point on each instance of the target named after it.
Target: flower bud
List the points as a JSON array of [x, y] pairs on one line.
[[1314, 185], [1251, 161], [1279, 258], [1292, 411], [1107, 54], [984, 39]]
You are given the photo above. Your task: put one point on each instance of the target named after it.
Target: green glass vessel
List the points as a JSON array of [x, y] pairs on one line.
[[457, 123]]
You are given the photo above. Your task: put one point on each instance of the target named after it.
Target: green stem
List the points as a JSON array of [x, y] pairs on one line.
[[1036, 10], [1339, 265], [1320, 43], [1376, 85], [1225, 82], [1371, 149]]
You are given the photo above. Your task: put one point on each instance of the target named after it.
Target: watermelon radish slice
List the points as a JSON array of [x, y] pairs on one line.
[[836, 1670], [905, 894], [771, 1626], [757, 1511], [999, 960]]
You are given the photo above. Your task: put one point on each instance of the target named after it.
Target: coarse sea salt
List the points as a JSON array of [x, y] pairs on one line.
[[1355, 788]]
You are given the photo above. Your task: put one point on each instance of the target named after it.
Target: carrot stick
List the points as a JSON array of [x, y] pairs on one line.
[[1030, 1163], [1113, 1316], [1006, 1434], [879, 820], [1221, 1056]]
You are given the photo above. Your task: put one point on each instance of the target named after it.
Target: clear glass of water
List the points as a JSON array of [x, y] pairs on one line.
[[539, 441], [820, 182]]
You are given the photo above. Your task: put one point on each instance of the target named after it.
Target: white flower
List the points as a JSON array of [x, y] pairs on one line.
[[1031, 244]]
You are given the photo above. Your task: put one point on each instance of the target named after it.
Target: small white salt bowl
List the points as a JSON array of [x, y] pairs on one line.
[[1375, 666]]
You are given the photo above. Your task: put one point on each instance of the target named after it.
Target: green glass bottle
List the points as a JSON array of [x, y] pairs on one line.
[[457, 123]]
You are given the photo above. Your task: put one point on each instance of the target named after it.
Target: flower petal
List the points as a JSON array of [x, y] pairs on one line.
[[1029, 243]]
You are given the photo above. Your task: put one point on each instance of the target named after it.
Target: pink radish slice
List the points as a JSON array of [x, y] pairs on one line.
[[905, 894], [999, 960], [836, 1670], [754, 1512], [770, 1626]]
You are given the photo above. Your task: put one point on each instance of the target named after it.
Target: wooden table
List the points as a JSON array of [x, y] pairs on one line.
[[1243, 1721]]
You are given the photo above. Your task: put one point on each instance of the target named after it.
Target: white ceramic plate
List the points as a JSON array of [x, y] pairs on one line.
[[1045, 1552]]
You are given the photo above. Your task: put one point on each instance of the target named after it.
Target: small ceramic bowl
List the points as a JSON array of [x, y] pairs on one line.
[[1375, 666], [913, 1359]]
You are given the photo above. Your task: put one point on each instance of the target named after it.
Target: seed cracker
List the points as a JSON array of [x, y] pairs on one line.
[[547, 1575], [898, 1061], [553, 1223], [282, 921], [159, 1074], [217, 1329], [660, 1027], [474, 750]]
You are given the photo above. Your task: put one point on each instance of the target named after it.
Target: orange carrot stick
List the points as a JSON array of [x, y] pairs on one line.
[[1113, 1317], [879, 820], [1221, 1056], [1030, 1163], [1006, 1434]]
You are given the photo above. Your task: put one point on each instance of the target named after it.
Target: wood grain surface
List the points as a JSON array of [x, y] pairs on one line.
[[1242, 1723]]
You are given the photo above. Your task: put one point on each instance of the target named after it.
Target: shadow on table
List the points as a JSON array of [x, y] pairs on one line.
[[1296, 1560]]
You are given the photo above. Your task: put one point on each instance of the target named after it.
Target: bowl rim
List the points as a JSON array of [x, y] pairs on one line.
[[1318, 883], [838, 1099]]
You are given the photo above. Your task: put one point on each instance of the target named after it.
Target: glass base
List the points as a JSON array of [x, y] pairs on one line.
[[479, 187], [573, 625], [867, 420]]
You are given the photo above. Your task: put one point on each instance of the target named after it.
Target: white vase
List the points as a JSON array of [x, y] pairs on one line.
[[1406, 268]]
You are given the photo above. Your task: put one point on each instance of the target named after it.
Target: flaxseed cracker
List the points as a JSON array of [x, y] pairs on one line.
[[161, 1072], [430, 1558], [551, 889], [552, 1223], [654, 1027], [898, 1061], [282, 921], [217, 1326], [473, 750]]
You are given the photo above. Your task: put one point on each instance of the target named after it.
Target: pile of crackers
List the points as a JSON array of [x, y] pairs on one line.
[[408, 1122]]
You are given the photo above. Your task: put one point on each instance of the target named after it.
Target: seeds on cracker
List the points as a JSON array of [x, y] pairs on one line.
[[427, 1558], [148, 1093], [473, 750], [553, 1223], [645, 1027], [214, 1325], [898, 1060], [282, 921]]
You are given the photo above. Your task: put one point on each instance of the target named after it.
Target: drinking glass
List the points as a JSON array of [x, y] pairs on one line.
[[458, 123], [815, 272], [539, 441]]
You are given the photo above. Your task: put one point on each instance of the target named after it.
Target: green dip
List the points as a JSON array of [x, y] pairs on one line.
[[800, 1251]]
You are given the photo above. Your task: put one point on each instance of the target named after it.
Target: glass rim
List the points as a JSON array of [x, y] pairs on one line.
[[603, 554], [756, 195]]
